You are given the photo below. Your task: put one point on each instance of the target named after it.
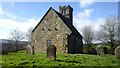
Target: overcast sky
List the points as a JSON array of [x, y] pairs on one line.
[[23, 15]]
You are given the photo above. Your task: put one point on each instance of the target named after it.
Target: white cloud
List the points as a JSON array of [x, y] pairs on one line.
[[84, 18], [86, 3], [10, 15], [86, 13], [7, 25], [5, 13], [1, 10], [12, 3], [11, 22]]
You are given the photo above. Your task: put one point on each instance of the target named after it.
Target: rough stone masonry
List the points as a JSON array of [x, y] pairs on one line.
[[56, 28]]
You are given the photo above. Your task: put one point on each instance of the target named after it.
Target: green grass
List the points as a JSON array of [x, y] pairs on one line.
[[21, 59]]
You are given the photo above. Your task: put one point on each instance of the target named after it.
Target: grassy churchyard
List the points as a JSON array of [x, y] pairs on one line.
[[22, 59]]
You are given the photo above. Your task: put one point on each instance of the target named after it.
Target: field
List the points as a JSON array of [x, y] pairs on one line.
[[21, 59]]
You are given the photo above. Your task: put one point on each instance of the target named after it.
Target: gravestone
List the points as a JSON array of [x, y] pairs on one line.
[[100, 50], [93, 51], [51, 52], [29, 50], [105, 50], [117, 52]]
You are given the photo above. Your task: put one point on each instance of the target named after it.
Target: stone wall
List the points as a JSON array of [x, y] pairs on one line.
[[75, 44], [51, 28]]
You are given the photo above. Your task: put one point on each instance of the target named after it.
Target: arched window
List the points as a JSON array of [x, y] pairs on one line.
[[63, 12], [49, 42]]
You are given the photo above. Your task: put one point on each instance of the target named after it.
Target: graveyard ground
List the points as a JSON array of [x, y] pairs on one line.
[[21, 59]]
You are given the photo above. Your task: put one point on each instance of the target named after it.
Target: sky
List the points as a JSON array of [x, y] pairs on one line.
[[24, 15]]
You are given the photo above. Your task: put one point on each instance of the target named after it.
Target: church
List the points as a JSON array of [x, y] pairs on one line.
[[57, 28]]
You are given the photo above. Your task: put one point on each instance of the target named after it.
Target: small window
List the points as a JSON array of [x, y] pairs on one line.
[[49, 42], [63, 12], [49, 29], [56, 29], [67, 10]]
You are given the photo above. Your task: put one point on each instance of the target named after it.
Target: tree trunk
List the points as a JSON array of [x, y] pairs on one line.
[[16, 43], [112, 48]]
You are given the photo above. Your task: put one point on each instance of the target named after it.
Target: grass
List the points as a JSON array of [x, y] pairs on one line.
[[21, 59]]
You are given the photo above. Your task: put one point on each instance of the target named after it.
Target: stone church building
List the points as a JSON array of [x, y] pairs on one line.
[[57, 28]]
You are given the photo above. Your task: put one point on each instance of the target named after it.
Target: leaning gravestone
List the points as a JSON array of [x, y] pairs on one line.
[[117, 52], [29, 50], [51, 52]]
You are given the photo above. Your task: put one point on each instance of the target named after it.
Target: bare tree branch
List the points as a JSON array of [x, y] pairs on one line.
[[29, 33], [17, 35], [88, 34], [109, 31]]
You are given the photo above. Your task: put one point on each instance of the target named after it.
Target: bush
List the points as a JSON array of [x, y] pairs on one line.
[[86, 49]]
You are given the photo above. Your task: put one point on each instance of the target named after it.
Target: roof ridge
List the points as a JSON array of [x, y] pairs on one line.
[[42, 18], [64, 19], [73, 29]]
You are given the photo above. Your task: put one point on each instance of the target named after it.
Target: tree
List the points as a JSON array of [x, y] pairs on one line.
[[119, 23], [88, 36], [17, 36], [29, 37], [108, 31], [29, 34]]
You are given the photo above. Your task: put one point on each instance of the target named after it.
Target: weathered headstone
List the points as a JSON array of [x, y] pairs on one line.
[[100, 50], [51, 52], [29, 50], [117, 52], [105, 50]]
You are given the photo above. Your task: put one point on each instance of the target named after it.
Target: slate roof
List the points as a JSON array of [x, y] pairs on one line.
[[65, 20]]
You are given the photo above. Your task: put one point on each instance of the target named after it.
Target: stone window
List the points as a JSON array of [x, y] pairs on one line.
[[49, 29], [56, 29], [49, 42], [42, 29], [63, 12]]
